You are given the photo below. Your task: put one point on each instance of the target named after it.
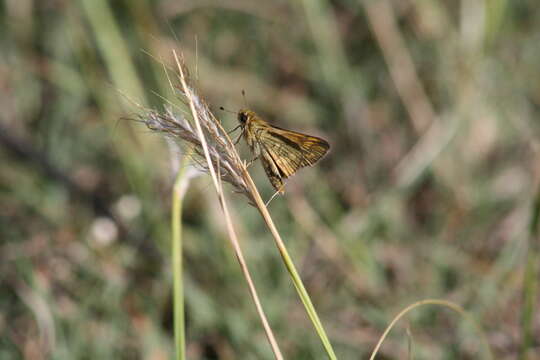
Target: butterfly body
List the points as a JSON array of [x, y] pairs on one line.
[[282, 152]]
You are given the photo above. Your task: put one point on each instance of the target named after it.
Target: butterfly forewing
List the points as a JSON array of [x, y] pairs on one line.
[[310, 148]]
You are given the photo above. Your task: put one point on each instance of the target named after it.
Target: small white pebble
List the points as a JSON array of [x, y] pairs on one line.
[[128, 207], [104, 231]]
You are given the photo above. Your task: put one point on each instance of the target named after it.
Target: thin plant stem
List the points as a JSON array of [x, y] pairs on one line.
[[176, 248], [245, 270], [444, 303], [297, 281], [530, 291]]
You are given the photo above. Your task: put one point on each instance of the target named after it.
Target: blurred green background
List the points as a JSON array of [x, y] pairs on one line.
[[431, 108]]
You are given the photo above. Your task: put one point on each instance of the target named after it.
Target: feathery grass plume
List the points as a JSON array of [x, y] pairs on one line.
[[175, 126]]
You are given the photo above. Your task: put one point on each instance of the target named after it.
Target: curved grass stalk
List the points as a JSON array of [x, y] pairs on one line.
[[443, 303]]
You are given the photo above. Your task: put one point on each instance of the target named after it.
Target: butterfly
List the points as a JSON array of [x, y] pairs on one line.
[[282, 152]]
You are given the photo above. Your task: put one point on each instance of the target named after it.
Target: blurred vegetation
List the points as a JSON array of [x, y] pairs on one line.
[[429, 190]]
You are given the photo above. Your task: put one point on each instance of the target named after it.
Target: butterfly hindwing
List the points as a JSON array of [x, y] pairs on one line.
[[272, 170]]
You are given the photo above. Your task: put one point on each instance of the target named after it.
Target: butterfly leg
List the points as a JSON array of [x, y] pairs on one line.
[[233, 130], [280, 191], [238, 138], [251, 161]]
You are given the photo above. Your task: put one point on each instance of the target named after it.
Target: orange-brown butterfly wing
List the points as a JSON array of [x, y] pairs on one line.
[[295, 149], [272, 171], [283, 152]]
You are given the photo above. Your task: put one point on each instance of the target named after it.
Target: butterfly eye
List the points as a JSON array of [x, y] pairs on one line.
[[242, 117]]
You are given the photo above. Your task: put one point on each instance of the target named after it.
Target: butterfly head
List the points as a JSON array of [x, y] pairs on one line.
[[244, 115]]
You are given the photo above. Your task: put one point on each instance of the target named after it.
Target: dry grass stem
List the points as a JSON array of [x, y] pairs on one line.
[[212, 152]]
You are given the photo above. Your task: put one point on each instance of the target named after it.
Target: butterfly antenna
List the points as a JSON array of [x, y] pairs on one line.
[[227, 110], [236, 128], [244, 96]]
